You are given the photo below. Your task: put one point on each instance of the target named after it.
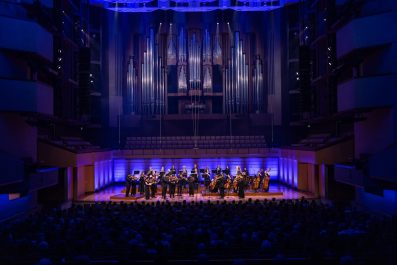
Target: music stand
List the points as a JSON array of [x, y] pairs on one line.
[[136, 172]]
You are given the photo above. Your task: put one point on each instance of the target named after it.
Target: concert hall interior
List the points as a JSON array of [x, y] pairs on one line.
[[198, 131]]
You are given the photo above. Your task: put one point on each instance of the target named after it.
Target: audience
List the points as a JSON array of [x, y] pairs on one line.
[[285, 231]]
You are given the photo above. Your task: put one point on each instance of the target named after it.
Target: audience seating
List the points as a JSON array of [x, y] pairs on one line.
[[250, 232], [318, 141], [71, 143], [203, 142]]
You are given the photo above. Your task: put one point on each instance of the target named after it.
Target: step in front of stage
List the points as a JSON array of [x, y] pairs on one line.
[[248, 193]]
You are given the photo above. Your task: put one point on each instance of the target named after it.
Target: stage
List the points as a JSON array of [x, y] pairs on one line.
[[116, 193]]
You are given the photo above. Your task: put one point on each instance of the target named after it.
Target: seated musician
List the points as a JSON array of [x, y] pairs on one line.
[[218, 170]]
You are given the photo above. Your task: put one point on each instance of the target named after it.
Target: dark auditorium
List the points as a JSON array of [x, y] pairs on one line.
[[208, 132]]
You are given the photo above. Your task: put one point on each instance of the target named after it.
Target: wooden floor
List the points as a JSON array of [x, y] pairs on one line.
[[117, 193]]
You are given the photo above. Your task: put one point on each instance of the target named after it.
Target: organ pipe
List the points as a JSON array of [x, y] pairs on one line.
[[236, 78], [152, 79], [132, 86], [258, 86], [182, 71], [194, 63]]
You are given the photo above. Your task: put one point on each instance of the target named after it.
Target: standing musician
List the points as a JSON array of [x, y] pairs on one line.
[[240, 187], [192, 180], [266, 180], [148, 183], [153, 187], [237, 178], [246, 177], [163, 180], [207, 178], [182, 181], [128, 184], [173, 180], [141, 187]]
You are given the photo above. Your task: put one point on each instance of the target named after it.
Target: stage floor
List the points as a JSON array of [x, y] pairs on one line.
[[116, 193]]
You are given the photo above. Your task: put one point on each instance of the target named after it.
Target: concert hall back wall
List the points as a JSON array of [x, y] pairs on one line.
[[122, 167], [169, 65]]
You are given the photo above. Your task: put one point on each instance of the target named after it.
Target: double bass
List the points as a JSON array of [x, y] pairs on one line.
[[265, 185], [256, 181]]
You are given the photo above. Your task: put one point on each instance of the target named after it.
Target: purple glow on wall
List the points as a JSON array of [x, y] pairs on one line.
[[253, 164], [295, 175], [103, 171]]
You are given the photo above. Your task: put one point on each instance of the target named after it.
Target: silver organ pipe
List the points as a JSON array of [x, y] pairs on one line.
[[217, 47], [132, 86], [182, 75], [236, 78], [171, 48], [194, 63], [258, 86], [153, 78]]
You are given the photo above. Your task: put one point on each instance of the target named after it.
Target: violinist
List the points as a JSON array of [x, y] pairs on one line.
[[207, 178], [128, 184], [192, 180], [173, 180], [141, 187]]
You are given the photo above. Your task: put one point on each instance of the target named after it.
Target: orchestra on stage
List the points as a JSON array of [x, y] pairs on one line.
[[215, 181]]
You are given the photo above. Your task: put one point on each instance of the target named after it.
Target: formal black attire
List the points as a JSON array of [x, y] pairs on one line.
[[164, 184], [128, 183]]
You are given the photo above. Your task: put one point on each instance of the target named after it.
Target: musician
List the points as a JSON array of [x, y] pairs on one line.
[[218, 170], [141, 187], [148, 183], [246, 177], [237, 178], [207, 178], [173, 181], [192, 180], [153, 187], [128, 184], [240, 187], [227, 171], [182, 181], [164, 184]]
